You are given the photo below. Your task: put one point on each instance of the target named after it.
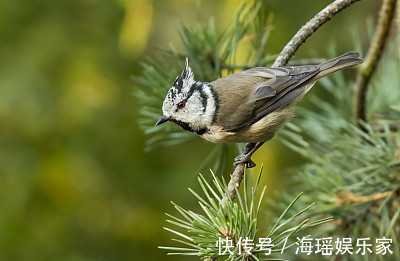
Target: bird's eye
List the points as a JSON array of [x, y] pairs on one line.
[[181, 105]]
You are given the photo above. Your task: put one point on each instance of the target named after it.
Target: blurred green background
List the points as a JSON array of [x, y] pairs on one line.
[[75, 182]]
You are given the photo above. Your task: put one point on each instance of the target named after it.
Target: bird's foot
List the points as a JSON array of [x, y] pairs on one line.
[[244, 159]]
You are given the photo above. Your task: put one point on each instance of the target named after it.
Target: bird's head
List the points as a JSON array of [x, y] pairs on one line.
[[190, 104]]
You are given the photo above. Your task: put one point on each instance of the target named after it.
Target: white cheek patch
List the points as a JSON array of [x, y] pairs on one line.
[[195, 103], [195, 112], [193, 109]]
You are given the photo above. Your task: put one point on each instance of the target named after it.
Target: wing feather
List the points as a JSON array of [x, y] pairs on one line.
[[246, 97], [264, 92]]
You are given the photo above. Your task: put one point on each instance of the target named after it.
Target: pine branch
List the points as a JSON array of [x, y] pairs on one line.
[[234, 183], [367, 69], [309, 28], [306, 31]]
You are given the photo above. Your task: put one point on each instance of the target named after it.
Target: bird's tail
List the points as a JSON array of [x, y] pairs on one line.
[[345, 60]]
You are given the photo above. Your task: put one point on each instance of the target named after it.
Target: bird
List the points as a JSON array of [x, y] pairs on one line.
[[245, 107]]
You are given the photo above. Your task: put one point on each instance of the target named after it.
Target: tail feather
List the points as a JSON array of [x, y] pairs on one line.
[[346, 60]]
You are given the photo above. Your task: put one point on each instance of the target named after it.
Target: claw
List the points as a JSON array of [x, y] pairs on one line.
[[250, 164], [246, 159]]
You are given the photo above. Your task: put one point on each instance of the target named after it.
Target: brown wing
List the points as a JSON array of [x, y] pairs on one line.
[[244, 96], [248, 96]]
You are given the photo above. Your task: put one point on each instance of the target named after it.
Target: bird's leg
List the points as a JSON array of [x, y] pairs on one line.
[[248, 151], [248, 147]]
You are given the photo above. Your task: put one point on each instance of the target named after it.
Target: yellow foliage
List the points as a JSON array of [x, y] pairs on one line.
[[135, 27]]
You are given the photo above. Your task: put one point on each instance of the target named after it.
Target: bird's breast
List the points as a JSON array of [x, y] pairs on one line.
[[261, 131]]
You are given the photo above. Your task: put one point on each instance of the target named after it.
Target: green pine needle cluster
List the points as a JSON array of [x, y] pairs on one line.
[[233, 221]]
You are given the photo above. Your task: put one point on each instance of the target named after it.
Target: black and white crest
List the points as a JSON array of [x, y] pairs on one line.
[[185, 80]]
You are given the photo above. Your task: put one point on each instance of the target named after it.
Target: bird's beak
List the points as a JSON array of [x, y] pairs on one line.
[[162, 120]]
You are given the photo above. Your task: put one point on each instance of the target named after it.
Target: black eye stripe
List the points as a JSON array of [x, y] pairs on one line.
[[191, 90], [203, 96], [215, 95]]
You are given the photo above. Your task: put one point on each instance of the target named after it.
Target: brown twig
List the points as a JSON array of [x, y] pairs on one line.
[[234, 183], [309, 28], [347, 197], [373, 56]]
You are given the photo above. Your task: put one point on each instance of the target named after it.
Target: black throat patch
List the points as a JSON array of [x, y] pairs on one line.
[[187, 127]]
